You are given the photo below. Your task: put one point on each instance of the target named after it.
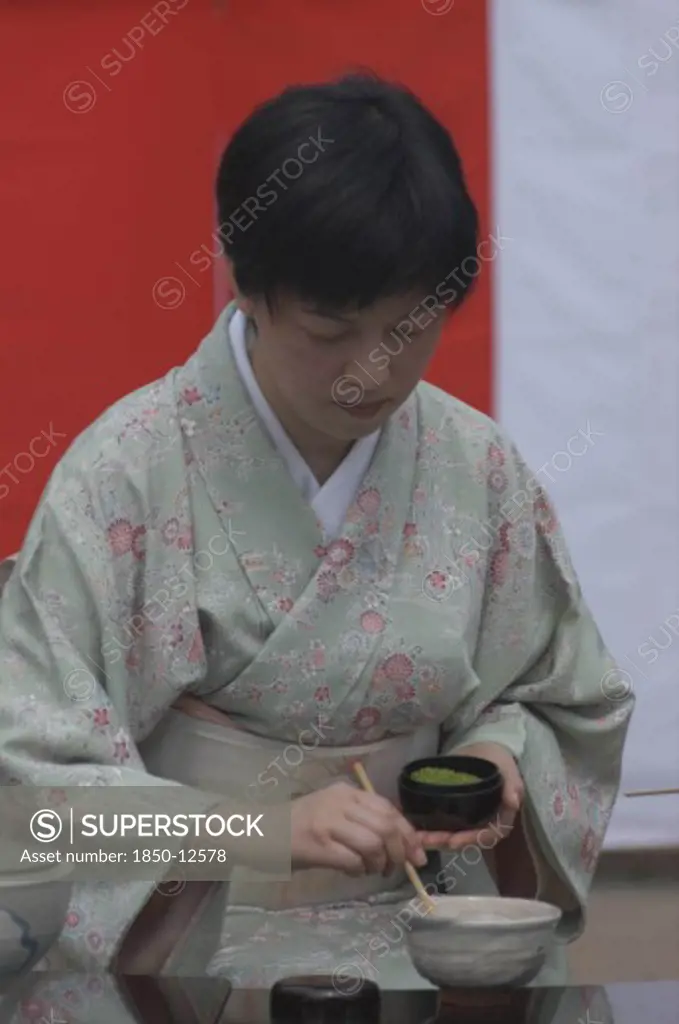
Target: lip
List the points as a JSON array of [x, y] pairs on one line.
[[366, 412]]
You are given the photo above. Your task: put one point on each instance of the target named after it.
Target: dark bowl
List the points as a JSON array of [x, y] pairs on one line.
[[451, 808]]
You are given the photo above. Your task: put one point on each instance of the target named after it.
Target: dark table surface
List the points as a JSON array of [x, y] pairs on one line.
[[48, 998]]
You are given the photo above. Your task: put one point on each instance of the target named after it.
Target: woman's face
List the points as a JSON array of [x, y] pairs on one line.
[[343, 376]]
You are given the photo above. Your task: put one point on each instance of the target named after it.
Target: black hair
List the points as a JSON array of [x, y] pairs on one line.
[[343, 193]]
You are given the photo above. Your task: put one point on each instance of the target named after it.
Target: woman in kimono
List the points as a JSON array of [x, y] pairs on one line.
[[294, 543]]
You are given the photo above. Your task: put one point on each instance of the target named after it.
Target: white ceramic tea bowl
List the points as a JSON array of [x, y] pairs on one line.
[[482, 941], [33, 908]]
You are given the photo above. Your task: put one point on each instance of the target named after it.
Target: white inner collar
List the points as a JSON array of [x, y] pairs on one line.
[[331, 500]]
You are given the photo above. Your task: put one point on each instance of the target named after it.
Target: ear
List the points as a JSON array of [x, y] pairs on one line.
[[246, 305]]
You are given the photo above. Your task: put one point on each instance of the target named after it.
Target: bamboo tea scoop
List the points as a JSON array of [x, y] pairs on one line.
[[367, 785], [652, 792]]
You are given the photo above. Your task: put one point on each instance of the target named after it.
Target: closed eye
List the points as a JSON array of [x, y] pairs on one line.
[[328, 339]]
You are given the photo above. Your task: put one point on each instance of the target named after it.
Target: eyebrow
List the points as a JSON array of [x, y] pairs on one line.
[[328, 314]]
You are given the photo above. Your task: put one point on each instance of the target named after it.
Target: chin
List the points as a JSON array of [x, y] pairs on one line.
[[353, 429]]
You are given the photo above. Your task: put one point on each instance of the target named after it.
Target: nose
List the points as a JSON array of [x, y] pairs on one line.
[[371, 368]]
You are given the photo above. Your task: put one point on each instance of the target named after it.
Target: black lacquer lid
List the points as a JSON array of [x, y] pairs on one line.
[[317, 999]]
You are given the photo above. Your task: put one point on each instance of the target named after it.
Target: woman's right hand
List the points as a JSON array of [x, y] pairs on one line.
[[358, 833]]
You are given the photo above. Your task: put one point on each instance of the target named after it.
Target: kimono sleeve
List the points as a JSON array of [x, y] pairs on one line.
[[500, 723], [547, 688], [63, 712]]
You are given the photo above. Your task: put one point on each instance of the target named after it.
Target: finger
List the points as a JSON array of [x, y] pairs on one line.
[[375, 803], [412, 841], [461, 839], [395, 834], [436, 840], [506, 817], [386, 816], [384, 830], [512, 796], [435, 837], [440, 840], [513, 790], [363, 841], [397, 854], [342, 858], [400, 837], [404, 846], [196, 708], [485, 838]]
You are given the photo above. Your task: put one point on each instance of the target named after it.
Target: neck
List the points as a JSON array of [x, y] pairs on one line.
[[321, 453]]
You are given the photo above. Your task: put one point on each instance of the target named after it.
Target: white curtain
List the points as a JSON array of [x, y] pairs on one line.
[[586, 169]]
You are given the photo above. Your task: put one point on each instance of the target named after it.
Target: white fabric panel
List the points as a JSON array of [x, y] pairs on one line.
[[586, 167]]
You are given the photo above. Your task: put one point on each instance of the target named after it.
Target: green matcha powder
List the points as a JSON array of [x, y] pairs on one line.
[[443, 777]]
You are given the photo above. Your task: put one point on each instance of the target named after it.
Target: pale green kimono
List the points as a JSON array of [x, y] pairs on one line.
[[172, 553]]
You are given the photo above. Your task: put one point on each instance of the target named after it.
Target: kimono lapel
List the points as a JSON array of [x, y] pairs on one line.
[[371, 541], [272, 529], [312, 651]]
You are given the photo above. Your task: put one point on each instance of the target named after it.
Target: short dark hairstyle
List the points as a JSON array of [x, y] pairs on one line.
[[376, 207]]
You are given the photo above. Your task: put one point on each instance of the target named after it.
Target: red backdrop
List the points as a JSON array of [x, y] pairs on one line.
[[109, 146]]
